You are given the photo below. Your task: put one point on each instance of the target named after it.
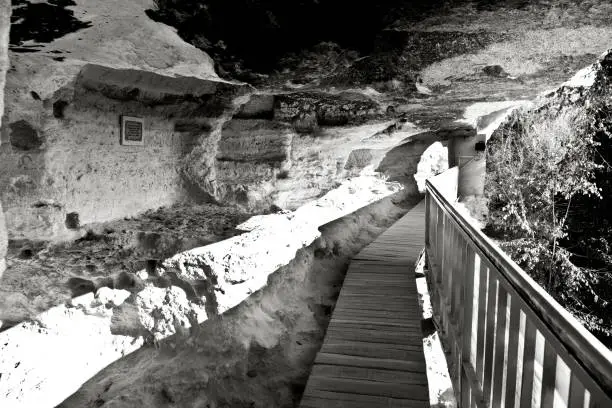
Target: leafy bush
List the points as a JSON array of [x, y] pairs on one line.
[[542, 168]]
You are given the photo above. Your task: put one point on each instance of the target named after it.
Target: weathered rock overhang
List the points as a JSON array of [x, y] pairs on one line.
[[152, 89]]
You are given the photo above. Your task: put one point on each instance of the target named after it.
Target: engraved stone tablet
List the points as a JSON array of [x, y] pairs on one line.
[[132, 131]]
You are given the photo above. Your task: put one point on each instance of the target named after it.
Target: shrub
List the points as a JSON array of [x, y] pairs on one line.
[[538, 167]]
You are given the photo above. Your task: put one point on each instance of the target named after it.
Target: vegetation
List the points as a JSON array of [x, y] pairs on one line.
[[548, 173], [244, 35]]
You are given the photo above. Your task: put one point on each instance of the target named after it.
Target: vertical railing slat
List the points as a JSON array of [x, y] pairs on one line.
[[500, 347], [468, 305], [576, 397], [562, 388], [475, 301], [440, 240], [490, 336], [528, 363], [446, 248], [513, 343], [482, 320], [549, 374], [427, 218], [462, 300]]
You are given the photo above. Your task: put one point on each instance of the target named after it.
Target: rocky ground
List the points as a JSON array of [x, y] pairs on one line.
[[257, 354], [43, 274], [272, 281]]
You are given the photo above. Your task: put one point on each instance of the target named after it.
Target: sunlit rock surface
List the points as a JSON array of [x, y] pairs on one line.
[[5, 12], [213, 279], [61, 150]]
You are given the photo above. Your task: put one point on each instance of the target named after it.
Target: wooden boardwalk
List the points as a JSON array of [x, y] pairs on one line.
[[372, 355]]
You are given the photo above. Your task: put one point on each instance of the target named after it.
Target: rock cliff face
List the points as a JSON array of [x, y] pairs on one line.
[[5, 13], [317, 136], [286, 149], [575, 119], [208, 139], [62, 154]]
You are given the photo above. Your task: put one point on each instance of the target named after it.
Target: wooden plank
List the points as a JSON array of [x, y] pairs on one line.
[[381, 330], [381, 333], [384, 363], [377, 296], [330, 399], [371, 337], [372, 374], [368, 313], [371, 350], [371, 321], [379, 306], [367, 317], [367, 343], [375, 327], [378, 278], [375, 286], [388, 275], [365, 387], [379, 290]]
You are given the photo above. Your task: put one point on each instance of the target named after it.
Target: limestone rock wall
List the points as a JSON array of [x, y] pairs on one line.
[[70, 79], [251, 155], [5, 13], [51, 168]]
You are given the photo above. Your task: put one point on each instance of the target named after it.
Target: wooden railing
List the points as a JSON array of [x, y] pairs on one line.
[[510, 344]]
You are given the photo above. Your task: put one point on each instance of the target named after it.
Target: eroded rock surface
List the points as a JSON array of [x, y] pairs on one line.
[[257, 354], [43, 274], [5, 12], [316, 134]]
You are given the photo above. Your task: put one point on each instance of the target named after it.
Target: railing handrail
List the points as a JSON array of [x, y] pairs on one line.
[[593, 355]]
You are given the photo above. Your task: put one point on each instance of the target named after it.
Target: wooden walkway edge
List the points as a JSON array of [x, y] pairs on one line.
[[372, 355]]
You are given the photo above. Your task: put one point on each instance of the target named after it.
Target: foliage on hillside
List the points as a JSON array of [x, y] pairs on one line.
[[549, 183], [244, 35]]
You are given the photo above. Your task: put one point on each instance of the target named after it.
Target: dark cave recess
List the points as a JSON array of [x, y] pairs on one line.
[[257, 33], [42, 23]]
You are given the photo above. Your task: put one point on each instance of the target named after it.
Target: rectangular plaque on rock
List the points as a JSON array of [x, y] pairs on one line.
[[132, 131]]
